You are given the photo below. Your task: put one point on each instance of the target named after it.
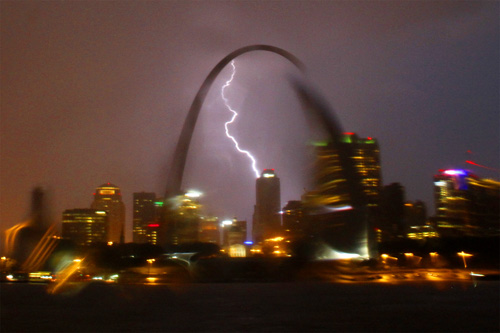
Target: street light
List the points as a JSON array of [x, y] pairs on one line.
[[463, 255]]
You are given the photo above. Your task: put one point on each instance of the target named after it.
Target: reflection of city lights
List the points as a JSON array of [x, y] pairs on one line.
[[463, 255]]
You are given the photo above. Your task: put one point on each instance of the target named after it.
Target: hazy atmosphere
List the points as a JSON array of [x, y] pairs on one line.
[[97, 91]]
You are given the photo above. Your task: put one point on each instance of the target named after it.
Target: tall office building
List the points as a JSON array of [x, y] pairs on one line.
[[267, 217], [466, 205], [294, 220], [185, 219], [144, 214], [108, 198], [331, 183], [84, 226], [342, 209]]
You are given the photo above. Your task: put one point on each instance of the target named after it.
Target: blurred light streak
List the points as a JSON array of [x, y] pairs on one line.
[[10, 236], [64, 275], [42, 250], [482, 166], [235, 114], [463, 255]]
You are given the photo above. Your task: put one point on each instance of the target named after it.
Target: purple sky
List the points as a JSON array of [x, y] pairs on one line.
[[97, 91]]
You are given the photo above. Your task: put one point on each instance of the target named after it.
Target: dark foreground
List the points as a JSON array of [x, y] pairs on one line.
[[250, 307]]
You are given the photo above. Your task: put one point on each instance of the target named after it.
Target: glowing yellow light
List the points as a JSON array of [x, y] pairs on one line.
[[4, 258], [110, 243], [463, 255], [151, 279], [275, 239]]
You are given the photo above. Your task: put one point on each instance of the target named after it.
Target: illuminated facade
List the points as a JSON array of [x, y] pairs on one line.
[[209, 231], [343, 208], [267, 217], [144, 214], [466, 204], [186, 220], [108, 198], [294, 219], [331, 185], [84, 226], [233, 232]]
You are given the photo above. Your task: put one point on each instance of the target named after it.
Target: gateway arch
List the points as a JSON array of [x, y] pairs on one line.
[[174, 180], [312, 104]]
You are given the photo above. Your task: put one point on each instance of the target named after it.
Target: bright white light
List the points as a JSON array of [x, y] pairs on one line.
[[227, 222], [339, 208], [193, 194], [455, 172], [440, 183], [235, 114]]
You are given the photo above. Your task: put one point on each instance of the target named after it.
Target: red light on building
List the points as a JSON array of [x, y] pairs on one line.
[[154, 225]]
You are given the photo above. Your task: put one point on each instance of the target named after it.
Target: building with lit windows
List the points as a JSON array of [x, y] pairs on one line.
[[208, 230], [108, 198], [154, 229], [343, 207], [466, 205], [185, 220], [233, 232], [331, 185], [267, 217], [84, 226], [294, 221], [144, 214]]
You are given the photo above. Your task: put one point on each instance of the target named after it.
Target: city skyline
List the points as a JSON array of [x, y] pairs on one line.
[[95, 93]]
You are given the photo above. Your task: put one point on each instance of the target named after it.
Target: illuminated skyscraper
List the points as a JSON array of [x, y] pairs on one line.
[[267, 217], [108, 198], [331, 184], [84, 226], [347, 187], [144, 214], [186, 219], [466, 204]]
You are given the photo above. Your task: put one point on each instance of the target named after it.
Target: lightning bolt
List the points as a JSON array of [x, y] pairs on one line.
[[235, 114]]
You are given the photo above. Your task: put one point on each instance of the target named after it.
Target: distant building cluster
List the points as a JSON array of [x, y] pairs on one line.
[[347, 175]]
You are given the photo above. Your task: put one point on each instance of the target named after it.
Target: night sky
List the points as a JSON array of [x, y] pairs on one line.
[[97, 91]]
